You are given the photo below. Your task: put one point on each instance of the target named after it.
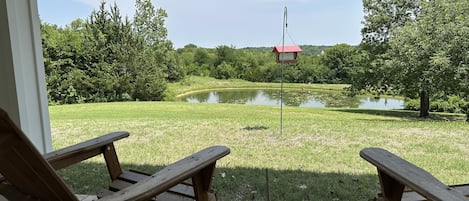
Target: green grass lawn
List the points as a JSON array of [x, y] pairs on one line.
[[316, 157]]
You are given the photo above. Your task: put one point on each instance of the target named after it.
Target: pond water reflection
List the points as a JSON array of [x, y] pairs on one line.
[[298, 98]]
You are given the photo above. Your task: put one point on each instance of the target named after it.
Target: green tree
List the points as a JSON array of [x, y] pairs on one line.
[[313, 70], [155, 61], [112, 47], [225, 54], [64, 57], [201, 57], [110, 58], [224, 71], [196, 60], [432, 53], [382, 18], [341, 60]]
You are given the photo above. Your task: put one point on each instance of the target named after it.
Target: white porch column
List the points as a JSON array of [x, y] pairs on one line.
[[22, 78]]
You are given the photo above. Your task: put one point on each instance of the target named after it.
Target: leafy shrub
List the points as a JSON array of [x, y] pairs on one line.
[[451, 104], [224, 71], [439, 106], [412, 104]]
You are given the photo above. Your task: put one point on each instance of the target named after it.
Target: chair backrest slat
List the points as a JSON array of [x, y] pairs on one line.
[[24, 167]]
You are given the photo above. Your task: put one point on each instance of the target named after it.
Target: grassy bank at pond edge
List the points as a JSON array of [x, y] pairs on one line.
[[316, 157], [194, 84]]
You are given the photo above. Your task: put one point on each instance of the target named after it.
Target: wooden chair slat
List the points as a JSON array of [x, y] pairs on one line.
[[76, 153], [23, 166], [118, 185], [134, 176], [131, 176], [178, 171], [28, 175], [395, 173], [183, 189]]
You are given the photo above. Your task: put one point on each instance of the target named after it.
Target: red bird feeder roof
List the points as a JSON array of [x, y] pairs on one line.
[[289, 48]]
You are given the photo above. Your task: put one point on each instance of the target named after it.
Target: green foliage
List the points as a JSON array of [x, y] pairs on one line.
[[412, 104], [341, 59], [451, 104], [415, 48], [258, 64], [430, 52], [225, 54], [110, 58], [64, 54], [408, 48], [148, 87], [158, 53], [223, 71], [382, 18]]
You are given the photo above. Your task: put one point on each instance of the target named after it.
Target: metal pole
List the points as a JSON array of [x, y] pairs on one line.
[[267, 184], [282, 57]]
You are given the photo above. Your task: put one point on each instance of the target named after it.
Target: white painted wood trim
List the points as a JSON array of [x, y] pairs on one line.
[[23, 75]]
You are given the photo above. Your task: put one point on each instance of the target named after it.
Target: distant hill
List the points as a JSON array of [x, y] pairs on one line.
[[307, 49]]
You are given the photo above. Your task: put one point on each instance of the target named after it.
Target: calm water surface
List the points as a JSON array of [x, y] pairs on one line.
[[298, 98]]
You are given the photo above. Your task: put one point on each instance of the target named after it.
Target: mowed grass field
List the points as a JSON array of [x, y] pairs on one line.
[[315, 158]]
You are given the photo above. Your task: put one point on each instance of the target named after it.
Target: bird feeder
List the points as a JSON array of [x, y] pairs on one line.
[[287, 54]]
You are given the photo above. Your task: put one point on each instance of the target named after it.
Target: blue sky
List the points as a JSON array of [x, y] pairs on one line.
[[241, 23]]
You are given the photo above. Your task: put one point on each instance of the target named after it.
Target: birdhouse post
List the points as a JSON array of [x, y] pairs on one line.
[[287, 54]]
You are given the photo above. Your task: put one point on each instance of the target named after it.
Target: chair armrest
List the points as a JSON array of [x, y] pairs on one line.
[[408, 174], [73, 154], [191, 166]]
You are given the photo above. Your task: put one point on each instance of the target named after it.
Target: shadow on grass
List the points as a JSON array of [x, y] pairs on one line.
[[240, 183], [406, 114]]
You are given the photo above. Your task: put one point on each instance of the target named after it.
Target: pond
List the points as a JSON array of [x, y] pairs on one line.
[[297, 98]]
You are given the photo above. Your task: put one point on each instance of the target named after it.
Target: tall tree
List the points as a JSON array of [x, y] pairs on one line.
[[158, 51], [432, 53], [110, 58], [157, 61], [112, 47], [225, 63], [382, 19], [225, 54], [64, 58]]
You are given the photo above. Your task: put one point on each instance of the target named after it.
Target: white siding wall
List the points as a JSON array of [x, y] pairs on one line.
[[22, 81]]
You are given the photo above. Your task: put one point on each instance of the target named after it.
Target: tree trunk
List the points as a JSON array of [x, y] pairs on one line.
[[424, 104]]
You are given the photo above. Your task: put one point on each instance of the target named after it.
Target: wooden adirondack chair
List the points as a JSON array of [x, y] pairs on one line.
[[395, 174], [27, 175]]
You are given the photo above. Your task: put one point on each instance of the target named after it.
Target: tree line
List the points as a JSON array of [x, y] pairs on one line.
[[317, 64], [417, 49], [108, 57]]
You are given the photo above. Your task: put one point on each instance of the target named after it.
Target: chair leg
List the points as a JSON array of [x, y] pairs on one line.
[[112, 162], [392, 189], [201, 182]]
